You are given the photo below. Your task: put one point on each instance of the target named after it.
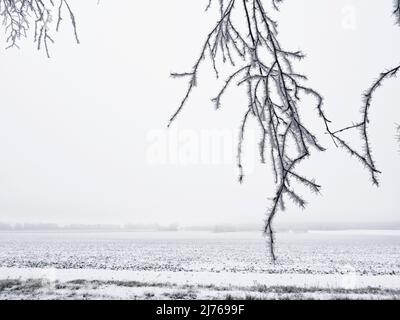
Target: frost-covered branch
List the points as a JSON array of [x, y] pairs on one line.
[[366, 156], [19, 16], [274, 95]]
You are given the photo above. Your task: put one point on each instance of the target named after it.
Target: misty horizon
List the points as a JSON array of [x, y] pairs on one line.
[[222, 227]]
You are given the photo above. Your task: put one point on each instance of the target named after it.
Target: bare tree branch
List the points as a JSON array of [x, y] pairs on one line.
[[366, 157], [274, 94], [21, 15]]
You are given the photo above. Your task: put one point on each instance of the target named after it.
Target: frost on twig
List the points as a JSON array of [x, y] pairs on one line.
[[366, 156], [19, 16], [274, 96]]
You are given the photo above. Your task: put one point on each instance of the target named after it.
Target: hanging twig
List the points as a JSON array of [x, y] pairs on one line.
[[367, 157], [20, 15], [274, 93]]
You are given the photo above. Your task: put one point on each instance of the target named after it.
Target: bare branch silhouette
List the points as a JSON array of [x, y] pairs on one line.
[[368, 97], [274, 94], [20, 15]]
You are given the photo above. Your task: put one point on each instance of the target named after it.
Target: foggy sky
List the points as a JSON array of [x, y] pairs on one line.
[[82, 134]]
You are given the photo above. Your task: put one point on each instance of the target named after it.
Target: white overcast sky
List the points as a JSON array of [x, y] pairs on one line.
[[79, 133]]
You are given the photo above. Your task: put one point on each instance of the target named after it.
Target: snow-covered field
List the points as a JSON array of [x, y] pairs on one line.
[[199, 265]]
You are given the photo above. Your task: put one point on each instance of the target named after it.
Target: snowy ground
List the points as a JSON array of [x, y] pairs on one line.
[[316, 265]]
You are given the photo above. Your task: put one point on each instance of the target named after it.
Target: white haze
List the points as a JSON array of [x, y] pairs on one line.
[[78, 131]]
